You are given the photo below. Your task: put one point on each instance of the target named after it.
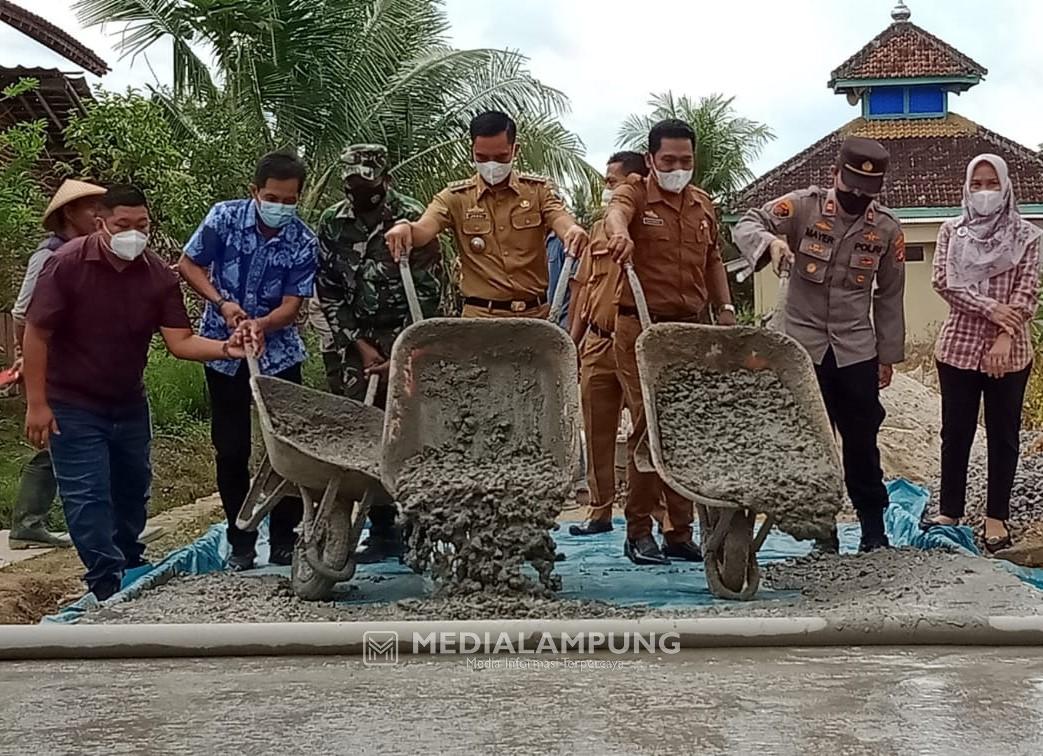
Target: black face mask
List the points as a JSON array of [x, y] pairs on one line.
[[366, 198], [853, 204]]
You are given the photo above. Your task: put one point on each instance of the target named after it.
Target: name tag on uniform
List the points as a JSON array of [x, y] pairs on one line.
[[476, 213], [652, 220]]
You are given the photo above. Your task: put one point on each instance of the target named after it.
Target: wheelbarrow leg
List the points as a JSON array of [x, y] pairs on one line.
[[266, 490], [730, 551]]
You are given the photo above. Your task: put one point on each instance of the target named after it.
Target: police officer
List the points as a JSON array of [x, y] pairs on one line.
[[362, 297], [847, 256], [499, 219], [669, 228]]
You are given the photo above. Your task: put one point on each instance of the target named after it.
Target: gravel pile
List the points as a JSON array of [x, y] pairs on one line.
[[742, 436], [1026, 502]]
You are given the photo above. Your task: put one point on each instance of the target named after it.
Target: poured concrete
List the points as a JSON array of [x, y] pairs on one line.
[[778, 701]]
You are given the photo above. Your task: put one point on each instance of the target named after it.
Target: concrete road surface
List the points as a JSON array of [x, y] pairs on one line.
[[781, 701]]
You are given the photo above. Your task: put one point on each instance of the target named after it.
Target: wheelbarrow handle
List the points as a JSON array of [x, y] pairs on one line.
[[639, 296], [253, 364], [415, 312], [562, 287]]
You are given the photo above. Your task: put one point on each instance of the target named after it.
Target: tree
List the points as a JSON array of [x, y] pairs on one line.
[[21, 199], [726, 143], [317, 75]]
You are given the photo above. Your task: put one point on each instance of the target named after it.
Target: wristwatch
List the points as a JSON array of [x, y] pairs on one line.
[[220, 303]]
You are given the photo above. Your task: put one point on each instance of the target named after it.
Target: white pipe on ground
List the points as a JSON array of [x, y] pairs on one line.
[[348, 638]]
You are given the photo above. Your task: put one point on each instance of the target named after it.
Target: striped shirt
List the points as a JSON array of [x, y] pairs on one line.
[[968, 334]]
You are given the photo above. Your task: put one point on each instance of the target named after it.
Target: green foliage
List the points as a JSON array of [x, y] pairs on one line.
[[176, 391], [726, 143], [317, 76], [21, 199]]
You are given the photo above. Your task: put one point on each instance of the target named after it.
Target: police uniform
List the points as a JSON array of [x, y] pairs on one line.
[[500, 238], [677, 259], [844, 305]]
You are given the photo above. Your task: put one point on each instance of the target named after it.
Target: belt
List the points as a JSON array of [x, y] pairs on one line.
[[600, 331], [516, 305], [631, 312]]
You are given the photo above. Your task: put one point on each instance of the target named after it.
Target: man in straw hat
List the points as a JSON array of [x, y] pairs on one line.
[[70, 215]]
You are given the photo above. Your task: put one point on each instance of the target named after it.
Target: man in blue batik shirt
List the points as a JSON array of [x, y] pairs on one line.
[[555, 264], [253, 259]]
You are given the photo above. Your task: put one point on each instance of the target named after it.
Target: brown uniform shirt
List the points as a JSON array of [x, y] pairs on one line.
[[501, 234], [600, 276], [101, 322], [676, 248], [847, 288]]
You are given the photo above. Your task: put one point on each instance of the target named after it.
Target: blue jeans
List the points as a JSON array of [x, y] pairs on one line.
[[102, 465]]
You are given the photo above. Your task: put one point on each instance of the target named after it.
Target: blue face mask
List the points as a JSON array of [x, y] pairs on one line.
[[275, 214]]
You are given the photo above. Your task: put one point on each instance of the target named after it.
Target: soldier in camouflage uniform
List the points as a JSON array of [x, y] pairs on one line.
[[361, 293]]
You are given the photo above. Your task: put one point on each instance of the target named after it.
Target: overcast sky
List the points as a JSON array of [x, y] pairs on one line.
[[774, 57]]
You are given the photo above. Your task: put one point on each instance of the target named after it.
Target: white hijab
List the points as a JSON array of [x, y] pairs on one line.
[[985, 246]]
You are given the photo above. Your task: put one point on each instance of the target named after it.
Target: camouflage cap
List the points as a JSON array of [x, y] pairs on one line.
[[366, 160]]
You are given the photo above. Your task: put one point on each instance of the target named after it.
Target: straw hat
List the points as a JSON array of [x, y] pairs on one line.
[[69, 191]]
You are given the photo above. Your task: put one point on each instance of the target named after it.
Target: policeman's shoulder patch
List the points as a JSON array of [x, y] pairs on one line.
[[900, 247], [782, 208]]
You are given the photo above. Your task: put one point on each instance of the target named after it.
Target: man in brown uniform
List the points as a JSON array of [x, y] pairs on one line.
[[593, 321], [499, 219], [840, 242], [668, 228]]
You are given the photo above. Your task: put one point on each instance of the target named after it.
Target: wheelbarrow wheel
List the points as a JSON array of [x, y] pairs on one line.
[[730, 552], [330, 535]]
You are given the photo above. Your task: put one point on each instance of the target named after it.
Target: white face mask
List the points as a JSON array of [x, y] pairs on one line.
[[128, 245], [494, 173], [986, 202], [673, 182], [606, 196]]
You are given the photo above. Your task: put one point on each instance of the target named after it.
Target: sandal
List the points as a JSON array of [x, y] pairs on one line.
[[927, 523], [994, 545]]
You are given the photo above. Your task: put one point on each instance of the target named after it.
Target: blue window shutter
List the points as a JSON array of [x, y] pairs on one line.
[[886, 101], [926, 100]]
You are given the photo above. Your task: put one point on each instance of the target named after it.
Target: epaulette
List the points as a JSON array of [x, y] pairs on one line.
[[888, 212], [533, 178], [459, 186]]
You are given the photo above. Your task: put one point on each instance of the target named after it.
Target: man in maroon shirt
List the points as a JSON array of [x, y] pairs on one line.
[[96, 306]]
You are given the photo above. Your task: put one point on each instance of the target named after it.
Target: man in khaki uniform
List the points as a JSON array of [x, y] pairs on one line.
[[500, 220], [593, 321], [669, 229], [845, 304]]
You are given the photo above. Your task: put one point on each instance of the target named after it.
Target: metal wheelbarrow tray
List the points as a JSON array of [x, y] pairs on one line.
[[729, 496], [327, 449]]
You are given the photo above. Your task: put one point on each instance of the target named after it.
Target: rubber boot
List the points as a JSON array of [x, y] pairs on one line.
[[29, 519]]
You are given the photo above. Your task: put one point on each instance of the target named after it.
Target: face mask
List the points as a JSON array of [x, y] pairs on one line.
[[494, 173], [673, 182], [127, 245], [365, 198], [275, 214], [986, 202], [606, 196], [853, 204]]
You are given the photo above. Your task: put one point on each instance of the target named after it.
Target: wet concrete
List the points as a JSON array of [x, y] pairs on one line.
[[742, 436], [777, 701]]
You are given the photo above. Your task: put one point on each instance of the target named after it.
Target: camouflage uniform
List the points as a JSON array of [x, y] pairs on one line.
[[359, 286]]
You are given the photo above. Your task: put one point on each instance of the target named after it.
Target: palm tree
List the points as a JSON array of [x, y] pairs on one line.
[[726, 143], [317, 75]]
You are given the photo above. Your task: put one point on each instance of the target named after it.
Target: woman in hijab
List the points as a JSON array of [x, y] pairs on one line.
[[986, 266]]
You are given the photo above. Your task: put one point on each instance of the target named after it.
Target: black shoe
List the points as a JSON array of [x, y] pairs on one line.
[[379, 549], [590, 527], [644, 551], [281, 556], [105, 589], [687, 552], [241, 562], [873, 542]]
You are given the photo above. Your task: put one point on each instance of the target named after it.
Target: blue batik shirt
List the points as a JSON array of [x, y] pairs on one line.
[[256, 273], [555, 265]]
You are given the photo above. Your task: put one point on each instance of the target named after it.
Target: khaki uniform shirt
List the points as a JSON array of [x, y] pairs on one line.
[[676, 248], [600, 276], [832, 300], [501, 234]]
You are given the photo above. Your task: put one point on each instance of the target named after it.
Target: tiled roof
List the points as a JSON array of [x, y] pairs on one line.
[[51, 36], [903, 51], [928, 157]]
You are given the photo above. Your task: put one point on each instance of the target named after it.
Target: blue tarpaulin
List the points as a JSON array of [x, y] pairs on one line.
[[594, 567]]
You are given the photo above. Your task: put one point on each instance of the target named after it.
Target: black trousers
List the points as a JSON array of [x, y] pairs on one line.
[[962, 391], [230, 401], [852, 398]]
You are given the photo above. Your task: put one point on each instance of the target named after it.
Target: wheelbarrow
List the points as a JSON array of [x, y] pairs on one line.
[[326, 449], [422, 415], [729, 543]]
